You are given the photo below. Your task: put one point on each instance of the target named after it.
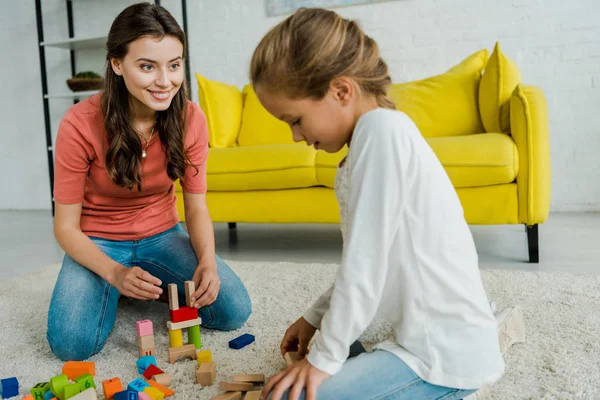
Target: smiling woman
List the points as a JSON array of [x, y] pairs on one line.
[[118, 154]]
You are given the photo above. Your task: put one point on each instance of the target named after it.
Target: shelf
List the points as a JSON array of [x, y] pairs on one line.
[[72, 95], [77, 44]]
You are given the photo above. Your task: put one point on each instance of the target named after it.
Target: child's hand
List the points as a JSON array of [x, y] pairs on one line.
[[297, 337], [135, 282], [297, 376]]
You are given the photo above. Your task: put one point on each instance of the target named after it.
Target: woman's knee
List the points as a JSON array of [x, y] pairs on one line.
[[228, 313], [71, 343]]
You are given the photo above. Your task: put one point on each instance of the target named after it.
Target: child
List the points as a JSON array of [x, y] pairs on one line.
[[408, 254], [118, 154]]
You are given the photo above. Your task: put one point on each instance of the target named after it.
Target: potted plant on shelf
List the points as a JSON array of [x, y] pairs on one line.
[[87, 80]]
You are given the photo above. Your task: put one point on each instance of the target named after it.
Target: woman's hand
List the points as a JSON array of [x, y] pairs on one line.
[[297, 337], [207, 284], [298, 376], [136, 283]]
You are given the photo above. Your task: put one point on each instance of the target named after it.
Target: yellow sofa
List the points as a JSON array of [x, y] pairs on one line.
[[489, 131]]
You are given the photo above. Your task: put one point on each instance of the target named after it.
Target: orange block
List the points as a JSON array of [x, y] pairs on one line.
[[30, 397], [111, 386], [74, 369], [168, 392]]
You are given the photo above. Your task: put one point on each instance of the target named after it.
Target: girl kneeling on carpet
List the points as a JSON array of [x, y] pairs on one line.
[[118, 154], [408, 254]]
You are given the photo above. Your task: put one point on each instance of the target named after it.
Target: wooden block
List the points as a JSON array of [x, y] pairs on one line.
[[234, 386], [190, 288], [175, 353], [253, 395], [39, 390], [183, 314], [253, 378], [71, 391], [89, 394], [126, 395], [144, 362], [144, 328], [241, 341], [151, 371], [194, 336], [229, 396], [110, 387], [168, 392], [138, 385], [291, 357], [154, 393], [204, 356], [176, 338], [206, 374], [146, 342], [58, 385], [147, 352], [184, 324], [73, 369], [144, 396], [28, 397], [173, 297], [85, 382], [164, 379]]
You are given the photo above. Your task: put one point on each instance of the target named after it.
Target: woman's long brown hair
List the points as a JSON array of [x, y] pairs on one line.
[[124, 154]]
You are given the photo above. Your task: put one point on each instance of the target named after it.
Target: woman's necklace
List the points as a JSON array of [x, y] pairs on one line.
[[144, 154]]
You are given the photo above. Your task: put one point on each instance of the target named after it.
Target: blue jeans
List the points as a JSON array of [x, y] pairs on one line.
[[83, 308], [380, 375]]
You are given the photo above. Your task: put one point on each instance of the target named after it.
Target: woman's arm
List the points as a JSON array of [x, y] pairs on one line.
[[132, 282], [201, 231]]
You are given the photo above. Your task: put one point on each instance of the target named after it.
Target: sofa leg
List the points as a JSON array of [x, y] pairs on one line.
[[533, 244], [232, 233], [232, 225]]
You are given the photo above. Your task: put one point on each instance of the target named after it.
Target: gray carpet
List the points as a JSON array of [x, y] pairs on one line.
[[559, 360]]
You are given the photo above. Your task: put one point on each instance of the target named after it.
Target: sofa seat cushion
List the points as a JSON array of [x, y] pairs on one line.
[[264, 167], [477, 160]]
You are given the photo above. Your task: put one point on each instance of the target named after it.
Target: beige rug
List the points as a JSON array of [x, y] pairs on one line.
[[561, 359]]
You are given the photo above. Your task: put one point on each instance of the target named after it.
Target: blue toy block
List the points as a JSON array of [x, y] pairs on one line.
[[49, 395], [126, 395], [9, 387], [144, 362], [241, 341], [138, 385]]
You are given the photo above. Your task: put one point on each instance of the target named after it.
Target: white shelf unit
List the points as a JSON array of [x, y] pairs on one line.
[[77, 44], [72, 95]]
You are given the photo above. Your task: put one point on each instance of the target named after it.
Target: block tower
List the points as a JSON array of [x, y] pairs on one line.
[[185, 317], [145, 333]]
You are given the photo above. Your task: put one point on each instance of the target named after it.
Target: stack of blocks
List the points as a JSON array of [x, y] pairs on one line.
[[180, 318], [145, 333], [241, 383], [82, 387]]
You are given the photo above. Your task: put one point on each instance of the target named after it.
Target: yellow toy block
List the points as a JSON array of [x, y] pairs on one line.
[[204, 356], [154, 393], [176, 338]]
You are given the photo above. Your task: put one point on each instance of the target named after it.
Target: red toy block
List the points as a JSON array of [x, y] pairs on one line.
[[183, 314], [144, 328], [151, 371], [74, 369]]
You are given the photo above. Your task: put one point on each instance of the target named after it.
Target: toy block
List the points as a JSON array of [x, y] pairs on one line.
[[137, 385], [253, 395], [164, 379], [154, 393], [190, 288], [49, 396], [151, 371], [229, 396], [28, 397], [173, 297], [146, 342], [168, 392], [73, 369], [185, 324], [183, 314], [291, 357], [144, 396], [58, 385], [241, 341], [176, 338], [206, 374], [147, 352], [85, 382], [110, 387], [88, 394], [70, 391], [175, 353], [126, 395], [144, 362], [236, 386], [144, 328], [252, 378], [194, 336], [9, 387], [204, 356], [39, 390]]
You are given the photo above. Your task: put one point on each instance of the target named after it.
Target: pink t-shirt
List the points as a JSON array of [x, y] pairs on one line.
[[113, 212]]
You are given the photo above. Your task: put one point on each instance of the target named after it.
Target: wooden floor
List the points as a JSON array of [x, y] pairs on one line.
[[568, 242]]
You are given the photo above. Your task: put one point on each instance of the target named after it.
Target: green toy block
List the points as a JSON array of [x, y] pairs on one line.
[[85, 382], [58, 385], [72, 390], [38, 391], [194, 336]]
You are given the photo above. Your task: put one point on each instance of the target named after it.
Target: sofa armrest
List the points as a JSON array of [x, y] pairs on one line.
[[529, 129]]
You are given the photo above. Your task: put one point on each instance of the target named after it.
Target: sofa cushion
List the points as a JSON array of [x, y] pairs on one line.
[[266, 167], [447, 104], [258, 126], [477, 160], [222, 104], [500, 78]]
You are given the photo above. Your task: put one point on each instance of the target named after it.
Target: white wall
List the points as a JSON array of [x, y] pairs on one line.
[[556, 44]]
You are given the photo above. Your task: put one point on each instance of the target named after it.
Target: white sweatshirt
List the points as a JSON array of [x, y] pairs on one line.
[[408, 258]]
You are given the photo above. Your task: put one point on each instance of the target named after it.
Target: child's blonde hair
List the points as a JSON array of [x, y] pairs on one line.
[[301, 56]]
